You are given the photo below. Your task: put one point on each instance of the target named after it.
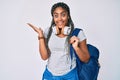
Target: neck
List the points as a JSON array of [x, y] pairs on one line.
[[61, 32]]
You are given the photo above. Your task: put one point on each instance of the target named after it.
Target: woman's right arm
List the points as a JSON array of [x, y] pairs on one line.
[[44, 51]]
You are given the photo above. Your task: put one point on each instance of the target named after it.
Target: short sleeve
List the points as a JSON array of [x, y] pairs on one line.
[[46, 32], [81, 35]]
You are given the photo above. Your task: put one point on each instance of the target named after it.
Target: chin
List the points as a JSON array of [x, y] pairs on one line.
[[61, 26]]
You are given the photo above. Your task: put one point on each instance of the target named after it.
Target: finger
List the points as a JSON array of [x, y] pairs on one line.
[[40, 28], [33, 27], [72, 41], [30, 25]]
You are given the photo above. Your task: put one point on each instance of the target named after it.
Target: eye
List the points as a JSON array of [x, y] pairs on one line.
[[55, 16], [63, 15]]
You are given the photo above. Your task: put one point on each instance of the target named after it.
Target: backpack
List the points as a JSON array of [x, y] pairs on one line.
[[89, 70]]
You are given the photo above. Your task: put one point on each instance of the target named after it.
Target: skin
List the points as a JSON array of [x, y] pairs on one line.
[[61, 17], [44, 52]]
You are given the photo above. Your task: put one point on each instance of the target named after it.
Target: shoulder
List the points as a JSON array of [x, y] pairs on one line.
[[81, 34]]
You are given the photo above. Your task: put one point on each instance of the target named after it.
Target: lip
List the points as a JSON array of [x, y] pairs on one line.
[[60, 23]]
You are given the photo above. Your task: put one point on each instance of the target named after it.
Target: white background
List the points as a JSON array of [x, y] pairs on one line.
[[19, 55]]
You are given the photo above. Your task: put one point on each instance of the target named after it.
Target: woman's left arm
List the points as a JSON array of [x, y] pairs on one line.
[[80, 48]]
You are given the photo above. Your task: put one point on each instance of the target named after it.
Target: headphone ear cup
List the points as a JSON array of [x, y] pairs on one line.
[[54, 30], [67, 30]]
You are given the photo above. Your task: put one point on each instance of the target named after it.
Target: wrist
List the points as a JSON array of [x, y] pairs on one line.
[[40, 37], [76, 48]]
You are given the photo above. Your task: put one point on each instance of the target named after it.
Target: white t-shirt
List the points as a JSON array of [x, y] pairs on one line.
[[59, 62]]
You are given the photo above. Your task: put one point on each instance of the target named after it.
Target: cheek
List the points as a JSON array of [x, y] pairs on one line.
[[55, 20], [66, 20]]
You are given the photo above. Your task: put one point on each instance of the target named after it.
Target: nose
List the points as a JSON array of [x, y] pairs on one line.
[[60, 17]]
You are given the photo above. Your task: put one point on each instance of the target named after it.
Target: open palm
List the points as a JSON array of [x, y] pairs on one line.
[[36, 29]]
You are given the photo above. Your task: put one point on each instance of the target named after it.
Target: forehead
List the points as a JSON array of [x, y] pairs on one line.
[[59, 10]]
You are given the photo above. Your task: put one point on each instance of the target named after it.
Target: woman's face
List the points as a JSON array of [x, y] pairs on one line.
[[60, 17]]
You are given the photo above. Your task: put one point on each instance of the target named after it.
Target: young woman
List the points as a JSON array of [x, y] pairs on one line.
[[54, 45]]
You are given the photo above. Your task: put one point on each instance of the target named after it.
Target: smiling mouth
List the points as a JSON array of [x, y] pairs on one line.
[[60, 22]]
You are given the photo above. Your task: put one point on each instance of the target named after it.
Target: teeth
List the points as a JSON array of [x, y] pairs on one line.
[[60, 23]]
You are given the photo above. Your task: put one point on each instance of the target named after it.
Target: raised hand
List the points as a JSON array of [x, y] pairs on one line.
[[36, 29], [74, 41]]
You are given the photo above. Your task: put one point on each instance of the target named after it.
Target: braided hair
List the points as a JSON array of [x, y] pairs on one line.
[[70, 22]]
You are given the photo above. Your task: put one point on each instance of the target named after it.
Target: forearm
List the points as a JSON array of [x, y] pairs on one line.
[[42, 46], [43, 49], [83, 56]]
